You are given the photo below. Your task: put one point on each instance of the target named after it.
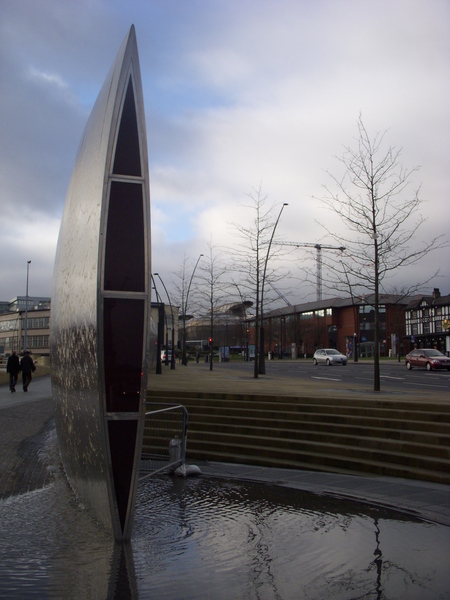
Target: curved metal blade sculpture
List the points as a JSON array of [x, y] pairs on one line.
[[101, 302]]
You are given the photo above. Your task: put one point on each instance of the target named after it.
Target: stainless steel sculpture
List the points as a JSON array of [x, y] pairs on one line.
[[101, 302]]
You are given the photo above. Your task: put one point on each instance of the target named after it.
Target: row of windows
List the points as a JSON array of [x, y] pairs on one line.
[[370, 326], [33, 341], [37, 341], [10, 325], [426, 312], [425, 327], [318, 313], [39, 323], [367, 309], [33, 323], [303, 316]]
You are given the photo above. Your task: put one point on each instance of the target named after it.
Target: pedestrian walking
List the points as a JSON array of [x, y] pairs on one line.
[[27, 367], [13, 368]]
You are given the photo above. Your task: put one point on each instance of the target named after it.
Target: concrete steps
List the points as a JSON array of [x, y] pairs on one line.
[[385, 437]]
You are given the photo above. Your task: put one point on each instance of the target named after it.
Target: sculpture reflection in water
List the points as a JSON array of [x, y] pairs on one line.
[[227, 539], [100, 302]]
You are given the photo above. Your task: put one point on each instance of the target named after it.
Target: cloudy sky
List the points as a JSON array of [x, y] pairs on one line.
[[238, 94]]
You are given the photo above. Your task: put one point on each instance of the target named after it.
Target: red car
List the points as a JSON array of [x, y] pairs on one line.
[[428, 358]]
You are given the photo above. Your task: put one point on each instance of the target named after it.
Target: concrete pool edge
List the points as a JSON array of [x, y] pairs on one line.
[[424, 500]]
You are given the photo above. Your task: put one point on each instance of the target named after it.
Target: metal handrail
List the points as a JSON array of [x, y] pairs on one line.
[[168, 465]]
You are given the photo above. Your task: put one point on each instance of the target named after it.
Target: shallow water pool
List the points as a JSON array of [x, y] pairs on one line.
[[202, 538]]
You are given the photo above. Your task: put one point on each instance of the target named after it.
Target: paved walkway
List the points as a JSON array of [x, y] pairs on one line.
[[26, 422]]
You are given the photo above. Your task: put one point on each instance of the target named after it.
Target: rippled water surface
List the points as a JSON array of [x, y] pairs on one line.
[[203, 538]]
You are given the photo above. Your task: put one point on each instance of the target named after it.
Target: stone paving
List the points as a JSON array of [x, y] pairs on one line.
[[28, 458], [26, 430]]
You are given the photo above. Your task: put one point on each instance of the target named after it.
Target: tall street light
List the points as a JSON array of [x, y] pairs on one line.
[[172, 359], [262, 362], [244, 324], [26, 310], [184, 358], [355, 319]]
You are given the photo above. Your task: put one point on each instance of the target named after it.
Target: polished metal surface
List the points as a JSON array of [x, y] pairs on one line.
[[100, 301]]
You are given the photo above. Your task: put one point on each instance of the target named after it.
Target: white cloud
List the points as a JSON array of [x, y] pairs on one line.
[[237, 94], [52, 79]]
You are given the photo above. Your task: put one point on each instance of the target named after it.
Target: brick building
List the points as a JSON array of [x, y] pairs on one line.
[[335, 323]]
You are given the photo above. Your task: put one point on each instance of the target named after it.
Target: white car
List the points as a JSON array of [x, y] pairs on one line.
[[163, 355], [329, 356]]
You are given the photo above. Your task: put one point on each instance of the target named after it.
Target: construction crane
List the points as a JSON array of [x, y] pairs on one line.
[[319, 248], [280, 295]]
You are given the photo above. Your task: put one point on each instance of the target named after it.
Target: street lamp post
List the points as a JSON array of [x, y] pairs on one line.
[[355, 315], [172, 358], [244, 324], [280, 345], [262, 362], [166, 362], [184, 358], [26, 311]]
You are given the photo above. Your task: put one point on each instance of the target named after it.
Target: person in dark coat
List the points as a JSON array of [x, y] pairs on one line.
[[13, 368], [27, 367]]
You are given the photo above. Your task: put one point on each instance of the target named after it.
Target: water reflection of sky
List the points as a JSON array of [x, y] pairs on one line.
[[199, 538]]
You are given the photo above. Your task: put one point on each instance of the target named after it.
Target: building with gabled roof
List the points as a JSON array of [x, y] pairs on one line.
[[427, 320]]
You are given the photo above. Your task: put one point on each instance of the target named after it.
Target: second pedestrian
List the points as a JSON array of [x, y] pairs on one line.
[[27, 367]]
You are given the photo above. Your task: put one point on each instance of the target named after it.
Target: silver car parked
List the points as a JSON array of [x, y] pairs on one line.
[[329, 356]]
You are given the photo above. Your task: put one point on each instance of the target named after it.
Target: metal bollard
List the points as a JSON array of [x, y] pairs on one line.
[[175, 452]]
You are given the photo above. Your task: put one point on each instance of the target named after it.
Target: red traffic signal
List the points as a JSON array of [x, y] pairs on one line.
[[210, 340]]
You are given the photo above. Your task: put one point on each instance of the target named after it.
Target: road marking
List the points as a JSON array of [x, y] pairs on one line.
[[326, 378], [390, 377], [444, 387]]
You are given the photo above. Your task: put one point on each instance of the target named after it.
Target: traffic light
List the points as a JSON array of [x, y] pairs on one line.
[[210, 341]]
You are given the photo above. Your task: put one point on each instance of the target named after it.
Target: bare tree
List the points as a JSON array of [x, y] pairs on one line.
[[252, 259], [382, 217], [184, 276], [212, 288]]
